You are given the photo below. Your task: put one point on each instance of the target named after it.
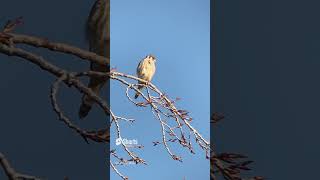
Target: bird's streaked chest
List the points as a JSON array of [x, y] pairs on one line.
[[146, 69]]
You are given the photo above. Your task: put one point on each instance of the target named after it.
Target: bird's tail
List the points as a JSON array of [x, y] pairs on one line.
[[95, 85], [137, 93]]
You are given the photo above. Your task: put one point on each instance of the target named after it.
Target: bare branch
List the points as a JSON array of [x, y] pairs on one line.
[[98, 136], [58, 47], [116, 170], [229, 165], [11, 173], [162, 107]]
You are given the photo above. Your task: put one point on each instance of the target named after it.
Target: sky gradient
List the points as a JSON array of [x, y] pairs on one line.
[[35, 142], [178, 34]]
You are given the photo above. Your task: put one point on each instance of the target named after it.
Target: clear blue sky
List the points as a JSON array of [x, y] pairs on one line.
[[178, 34], [267, 86]]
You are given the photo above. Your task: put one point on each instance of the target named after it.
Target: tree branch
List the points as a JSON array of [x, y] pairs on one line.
[[11, 173], [162, 107], [58, 47]]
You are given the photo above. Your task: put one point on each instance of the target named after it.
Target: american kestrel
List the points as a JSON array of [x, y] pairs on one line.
[[145, 71], [98, 35]]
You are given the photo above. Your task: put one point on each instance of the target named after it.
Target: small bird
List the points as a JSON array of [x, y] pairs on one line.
[[98, 35], [145, 71]]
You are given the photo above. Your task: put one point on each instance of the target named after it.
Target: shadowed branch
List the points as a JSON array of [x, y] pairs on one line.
[[11, 173], [175, 124]]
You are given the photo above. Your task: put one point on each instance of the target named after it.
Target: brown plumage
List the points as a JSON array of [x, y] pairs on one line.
[[98, 35], [145, 71]]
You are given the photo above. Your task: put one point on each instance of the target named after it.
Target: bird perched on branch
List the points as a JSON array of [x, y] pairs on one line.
[[98, 36], [145, 71]]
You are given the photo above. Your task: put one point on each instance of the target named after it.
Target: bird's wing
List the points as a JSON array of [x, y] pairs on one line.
[[98, 36], [98, 28], [144, 69]]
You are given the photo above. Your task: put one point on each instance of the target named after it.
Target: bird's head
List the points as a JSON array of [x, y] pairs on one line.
[[151, 57]]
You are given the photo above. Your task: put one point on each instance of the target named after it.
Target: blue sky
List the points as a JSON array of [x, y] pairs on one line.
[[178, 34], [267, 86]]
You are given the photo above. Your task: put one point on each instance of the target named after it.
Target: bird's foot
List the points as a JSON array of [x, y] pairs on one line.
[[147, 83]]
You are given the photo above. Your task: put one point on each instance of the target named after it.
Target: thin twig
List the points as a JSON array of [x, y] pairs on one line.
[[11, 173]]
